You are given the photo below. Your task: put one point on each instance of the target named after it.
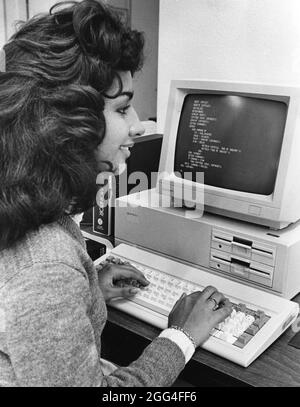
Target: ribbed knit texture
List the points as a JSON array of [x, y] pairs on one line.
[[52, 314]]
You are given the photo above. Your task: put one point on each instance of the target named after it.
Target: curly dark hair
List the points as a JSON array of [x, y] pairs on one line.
[[58, 68]]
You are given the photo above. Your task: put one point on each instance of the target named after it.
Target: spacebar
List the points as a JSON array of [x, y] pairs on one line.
[[153, 307]]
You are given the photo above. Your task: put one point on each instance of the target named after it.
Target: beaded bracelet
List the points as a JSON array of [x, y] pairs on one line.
[[186, 333]]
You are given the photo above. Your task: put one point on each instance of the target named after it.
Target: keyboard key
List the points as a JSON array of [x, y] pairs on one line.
[[242, 307], [227, 337], [224, 336], [260, 321], [243, 340], [252, 329], [216, 333]]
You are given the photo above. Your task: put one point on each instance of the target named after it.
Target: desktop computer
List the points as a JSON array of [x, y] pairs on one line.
[[229, 172]]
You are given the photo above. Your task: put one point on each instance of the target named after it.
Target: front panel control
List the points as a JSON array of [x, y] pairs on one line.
[[242, 258]]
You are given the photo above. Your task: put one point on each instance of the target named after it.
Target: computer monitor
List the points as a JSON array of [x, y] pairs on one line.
[[245, 139]]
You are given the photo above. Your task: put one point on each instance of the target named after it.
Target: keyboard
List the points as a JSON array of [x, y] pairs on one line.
[[258, 318]]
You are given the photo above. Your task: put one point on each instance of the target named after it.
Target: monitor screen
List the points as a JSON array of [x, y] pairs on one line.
[[234, 139]]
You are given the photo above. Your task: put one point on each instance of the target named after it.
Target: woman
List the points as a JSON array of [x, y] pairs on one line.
[[65, 116]]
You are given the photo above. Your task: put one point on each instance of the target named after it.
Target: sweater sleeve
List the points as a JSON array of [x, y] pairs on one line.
[[51, 341]]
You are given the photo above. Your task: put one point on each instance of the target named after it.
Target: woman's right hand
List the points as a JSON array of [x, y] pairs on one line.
[[198, 313]]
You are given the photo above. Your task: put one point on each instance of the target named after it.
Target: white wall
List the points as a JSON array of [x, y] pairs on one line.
[[241, 40], [40, 6], [144, 17], [11, 11], [2, 24]]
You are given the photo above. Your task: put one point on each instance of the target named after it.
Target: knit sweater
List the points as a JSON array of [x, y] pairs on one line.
[[52, 314]]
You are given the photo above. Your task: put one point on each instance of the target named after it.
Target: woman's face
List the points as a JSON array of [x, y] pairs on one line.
[[122, 123]]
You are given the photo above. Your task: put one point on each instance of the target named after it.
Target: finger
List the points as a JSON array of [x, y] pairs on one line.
[[180, 298], [125, 292], [126, 271], [208, 292], [215, 299], [98, 267], [195, 294], [102, 265], [223, 311]]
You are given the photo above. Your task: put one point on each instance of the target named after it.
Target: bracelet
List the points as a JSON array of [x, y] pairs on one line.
[[186, 333]]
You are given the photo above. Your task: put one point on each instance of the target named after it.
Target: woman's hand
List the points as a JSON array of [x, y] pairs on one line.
[[199, 312], [120, 280]]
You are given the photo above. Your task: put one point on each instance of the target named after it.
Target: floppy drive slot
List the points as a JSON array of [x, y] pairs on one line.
[[250, 270]]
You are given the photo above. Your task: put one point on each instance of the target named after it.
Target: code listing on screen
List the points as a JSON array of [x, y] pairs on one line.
[[234, 139]]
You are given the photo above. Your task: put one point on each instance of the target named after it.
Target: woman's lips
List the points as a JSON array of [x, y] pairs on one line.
[[125, 148]]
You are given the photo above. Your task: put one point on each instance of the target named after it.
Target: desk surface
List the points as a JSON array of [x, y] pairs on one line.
[[278, 366]]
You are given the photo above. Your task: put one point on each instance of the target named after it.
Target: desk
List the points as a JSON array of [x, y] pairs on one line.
[[278, 366]]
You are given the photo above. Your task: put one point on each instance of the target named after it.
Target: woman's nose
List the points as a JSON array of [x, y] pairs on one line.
[[136, 128]]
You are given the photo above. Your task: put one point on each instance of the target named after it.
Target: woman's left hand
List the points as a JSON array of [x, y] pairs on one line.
[[120, 280]]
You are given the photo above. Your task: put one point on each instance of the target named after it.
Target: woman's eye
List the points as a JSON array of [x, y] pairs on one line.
[[124, 110]]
